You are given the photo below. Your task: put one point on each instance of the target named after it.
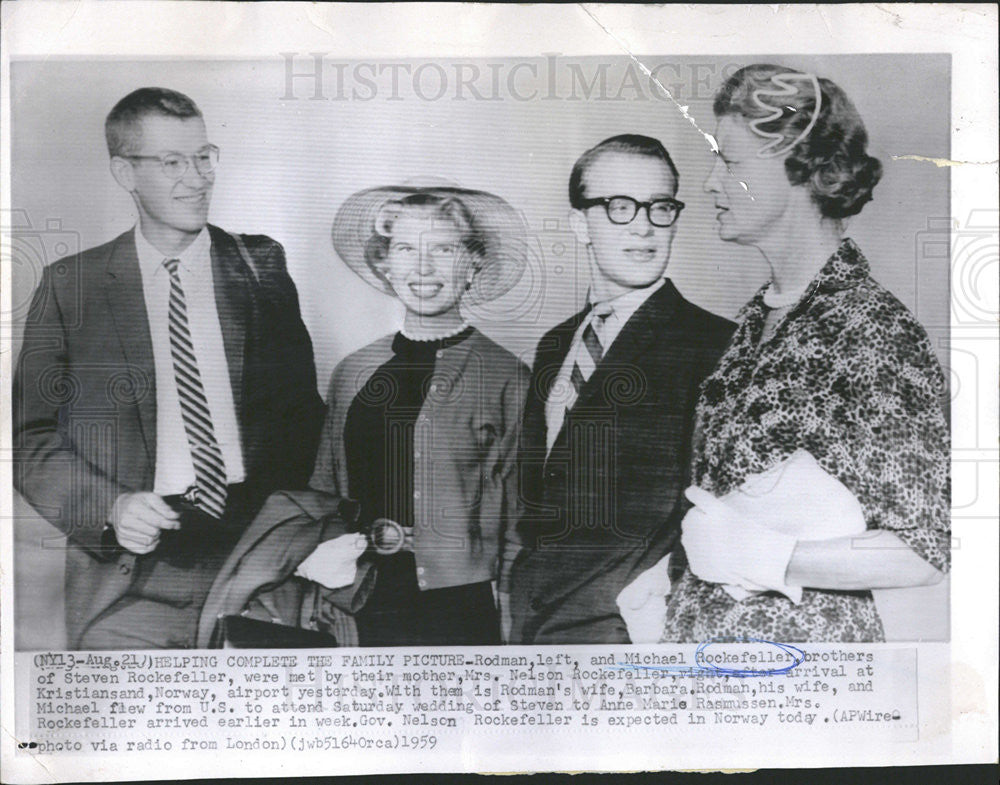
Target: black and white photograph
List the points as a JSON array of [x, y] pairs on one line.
[[639, 377], [601, 393]]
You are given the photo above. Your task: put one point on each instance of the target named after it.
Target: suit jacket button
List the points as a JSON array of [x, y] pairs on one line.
[[536, 603], [124, 569]]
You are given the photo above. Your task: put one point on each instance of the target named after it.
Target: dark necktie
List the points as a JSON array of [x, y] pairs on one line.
[[590, 356], [206, 455]]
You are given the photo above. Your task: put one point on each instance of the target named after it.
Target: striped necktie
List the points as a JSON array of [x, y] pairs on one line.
[[590, 352], [209, 468]]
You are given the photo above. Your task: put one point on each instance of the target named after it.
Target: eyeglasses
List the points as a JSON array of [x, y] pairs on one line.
[[176, 165], [623, 209]]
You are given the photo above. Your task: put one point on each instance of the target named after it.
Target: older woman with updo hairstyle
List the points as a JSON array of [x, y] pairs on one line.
[[422, 425], [820, 456]]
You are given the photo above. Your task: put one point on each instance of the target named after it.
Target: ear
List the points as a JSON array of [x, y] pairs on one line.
[[382, 270], [578, 223], [474, 267], [123, 173], [471, 274]]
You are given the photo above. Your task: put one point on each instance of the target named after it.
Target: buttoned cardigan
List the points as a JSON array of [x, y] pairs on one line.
[[464, 458]]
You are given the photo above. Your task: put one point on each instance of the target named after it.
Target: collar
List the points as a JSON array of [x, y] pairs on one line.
[[624, 305], [440, 337], [411, 349], [786, 299], [845, 269], [192, 258]]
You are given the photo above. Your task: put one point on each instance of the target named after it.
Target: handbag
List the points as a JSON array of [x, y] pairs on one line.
[[244, 632]]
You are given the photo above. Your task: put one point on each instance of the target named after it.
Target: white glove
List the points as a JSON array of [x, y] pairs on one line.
[[724, 546], [707, 552], [643, 604], [334, 563], [506, 621]]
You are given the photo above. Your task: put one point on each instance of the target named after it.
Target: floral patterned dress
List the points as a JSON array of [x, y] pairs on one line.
[[850, 376]]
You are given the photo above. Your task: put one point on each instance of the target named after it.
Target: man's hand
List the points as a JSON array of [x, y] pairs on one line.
[[334, 563], [139, 519]]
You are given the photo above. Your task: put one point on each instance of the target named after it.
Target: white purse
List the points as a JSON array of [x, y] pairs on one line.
[[799, 498]]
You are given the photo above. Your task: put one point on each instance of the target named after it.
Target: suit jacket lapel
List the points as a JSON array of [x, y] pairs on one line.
[[627, 350], [127, 306], [232, 299], [550, 356]]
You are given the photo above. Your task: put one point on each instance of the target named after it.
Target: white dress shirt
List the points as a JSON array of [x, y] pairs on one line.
[[174, 469], [607, 330]]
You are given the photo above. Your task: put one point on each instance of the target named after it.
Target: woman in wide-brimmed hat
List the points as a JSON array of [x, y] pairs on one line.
[[421, 429]]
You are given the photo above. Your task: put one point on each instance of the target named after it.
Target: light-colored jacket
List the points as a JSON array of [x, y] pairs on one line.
[[464, 459]]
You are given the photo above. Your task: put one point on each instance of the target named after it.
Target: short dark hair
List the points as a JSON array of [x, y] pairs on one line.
[[630, 144], [123, 126], [831, 160]]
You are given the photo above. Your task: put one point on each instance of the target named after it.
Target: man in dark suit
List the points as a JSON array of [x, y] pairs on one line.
[[165, 387], [606, 432]]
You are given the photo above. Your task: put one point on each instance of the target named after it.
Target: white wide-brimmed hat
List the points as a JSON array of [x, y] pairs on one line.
[[499, 229]]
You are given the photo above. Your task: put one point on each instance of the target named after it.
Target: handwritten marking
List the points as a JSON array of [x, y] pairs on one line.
[[701, 667], [783, 90]]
